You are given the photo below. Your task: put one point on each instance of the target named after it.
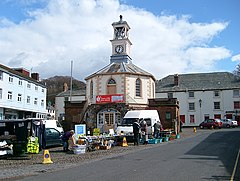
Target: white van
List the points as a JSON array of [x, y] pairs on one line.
[[51, 123], [150, 116]]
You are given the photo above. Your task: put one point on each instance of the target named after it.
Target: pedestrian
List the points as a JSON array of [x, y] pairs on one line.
[[136, 132], [144, 131], [65, 138], [157, 128]]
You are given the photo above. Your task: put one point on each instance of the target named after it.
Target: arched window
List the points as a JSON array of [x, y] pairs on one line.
[[138, 87], [91, 89], [111, 86]]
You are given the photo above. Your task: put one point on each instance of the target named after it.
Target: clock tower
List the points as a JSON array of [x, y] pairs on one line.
[[120, 43]]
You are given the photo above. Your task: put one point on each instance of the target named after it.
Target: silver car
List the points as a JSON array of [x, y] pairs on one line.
[[227, 123]]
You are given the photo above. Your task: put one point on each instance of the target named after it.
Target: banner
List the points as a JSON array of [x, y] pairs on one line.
[[109, 98]]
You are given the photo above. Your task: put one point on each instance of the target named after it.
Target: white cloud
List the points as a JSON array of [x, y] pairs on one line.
[[236, 58], [81, 30]]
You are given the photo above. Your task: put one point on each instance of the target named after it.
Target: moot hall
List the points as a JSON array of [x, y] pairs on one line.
[[118, 87]]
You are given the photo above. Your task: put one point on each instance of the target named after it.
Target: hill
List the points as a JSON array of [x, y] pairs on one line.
[[55, 86]]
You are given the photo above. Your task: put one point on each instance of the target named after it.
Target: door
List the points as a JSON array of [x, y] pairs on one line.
[[109, 121]]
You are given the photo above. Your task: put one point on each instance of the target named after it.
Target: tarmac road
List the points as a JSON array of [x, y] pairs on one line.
[[207, 155]]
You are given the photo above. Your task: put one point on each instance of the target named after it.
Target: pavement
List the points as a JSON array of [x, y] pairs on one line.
[[32, 164]]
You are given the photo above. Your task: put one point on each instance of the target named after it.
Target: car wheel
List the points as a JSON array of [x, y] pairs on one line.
[[228, 126]]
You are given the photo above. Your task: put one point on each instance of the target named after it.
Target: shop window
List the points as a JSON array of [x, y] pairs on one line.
[[217, 116], [100, 118]]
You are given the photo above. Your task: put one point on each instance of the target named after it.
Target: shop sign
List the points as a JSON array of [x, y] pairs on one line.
[[109, 98]]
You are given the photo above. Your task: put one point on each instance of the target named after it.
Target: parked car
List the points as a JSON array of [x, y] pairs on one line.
[[52, 138], [227, 123], [234, 123], [211, 123]]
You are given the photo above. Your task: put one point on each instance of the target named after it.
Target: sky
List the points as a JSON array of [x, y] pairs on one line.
[[168, 36]]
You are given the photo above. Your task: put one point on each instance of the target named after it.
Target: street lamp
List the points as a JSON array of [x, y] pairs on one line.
[[200, 102]]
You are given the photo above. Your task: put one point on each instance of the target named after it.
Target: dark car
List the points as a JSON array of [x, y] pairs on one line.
[[211, 123], [52, 138]]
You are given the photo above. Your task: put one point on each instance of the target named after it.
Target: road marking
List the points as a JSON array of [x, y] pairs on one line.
[[235, 166]]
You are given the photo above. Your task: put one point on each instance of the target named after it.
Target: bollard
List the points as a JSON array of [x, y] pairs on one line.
[[194, 129]]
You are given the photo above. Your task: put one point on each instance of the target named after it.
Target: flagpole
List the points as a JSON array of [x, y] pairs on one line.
[[71, 82]]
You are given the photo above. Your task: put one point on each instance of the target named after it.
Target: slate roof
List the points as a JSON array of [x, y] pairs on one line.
[[126, 67], [198, 81], [81, 92]]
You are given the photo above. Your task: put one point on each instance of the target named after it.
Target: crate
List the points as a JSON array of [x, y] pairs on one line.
[[159, 140], [152, 141], [165, 139]]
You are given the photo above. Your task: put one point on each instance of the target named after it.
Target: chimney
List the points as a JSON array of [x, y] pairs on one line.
[[35, 76], [65, 87], [23, 71], [176, 81]]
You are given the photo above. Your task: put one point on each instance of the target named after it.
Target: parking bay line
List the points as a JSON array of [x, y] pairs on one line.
[[235, 166]]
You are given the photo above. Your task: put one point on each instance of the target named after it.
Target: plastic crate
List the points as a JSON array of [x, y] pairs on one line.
[[152, 141]]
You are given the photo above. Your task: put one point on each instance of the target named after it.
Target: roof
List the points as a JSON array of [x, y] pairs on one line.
[[19, 74], [81, 92], [121, 67], [198, 81]]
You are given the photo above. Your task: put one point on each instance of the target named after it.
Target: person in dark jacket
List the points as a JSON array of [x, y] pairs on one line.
[[136, 132], [65, 138]]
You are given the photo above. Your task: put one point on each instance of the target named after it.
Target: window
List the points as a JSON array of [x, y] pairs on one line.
[[111, 86], [235, 93], [36, 88], [138, 87], [168, 115], [28, 99], [10, 79], [42, 103], [236, 104], [191, 106], [9, 95], [20, 82], [217, 116], [35, 101], [206, 116], [216, 94], [28, 85], [192, 119], [42, 90], [0, 93], [216, 105], [190, 94], [19, 99], [100, 118], [1, 75], [91, 89], [170, 95]]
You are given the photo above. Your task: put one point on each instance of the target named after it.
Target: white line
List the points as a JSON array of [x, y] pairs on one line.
[[235, 166]]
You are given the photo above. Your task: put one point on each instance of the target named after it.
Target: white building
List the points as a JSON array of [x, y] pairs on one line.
[[21, 95], [202, 95]]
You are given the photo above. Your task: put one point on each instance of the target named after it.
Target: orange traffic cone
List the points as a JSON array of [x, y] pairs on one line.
[[124, 143], [46, 157]]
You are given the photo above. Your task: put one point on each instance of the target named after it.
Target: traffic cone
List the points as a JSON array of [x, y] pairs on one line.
[[124, 143], [46, 157]]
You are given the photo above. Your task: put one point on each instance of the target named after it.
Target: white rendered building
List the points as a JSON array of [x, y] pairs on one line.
[[202, 95], [21, 95]]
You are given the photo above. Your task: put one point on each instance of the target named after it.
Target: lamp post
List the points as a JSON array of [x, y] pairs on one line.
[[200, 105]]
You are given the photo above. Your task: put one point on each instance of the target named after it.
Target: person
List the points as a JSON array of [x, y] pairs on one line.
[[157, 128], [144, 132], [65, 138], [136, 132]]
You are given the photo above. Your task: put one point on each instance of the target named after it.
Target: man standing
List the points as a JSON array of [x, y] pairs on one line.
[[157, 128], [136, 130]]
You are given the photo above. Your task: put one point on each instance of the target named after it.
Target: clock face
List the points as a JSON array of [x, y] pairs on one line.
[[119, 49]]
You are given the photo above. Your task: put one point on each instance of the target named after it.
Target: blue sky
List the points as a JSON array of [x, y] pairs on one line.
[[168, 36]]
